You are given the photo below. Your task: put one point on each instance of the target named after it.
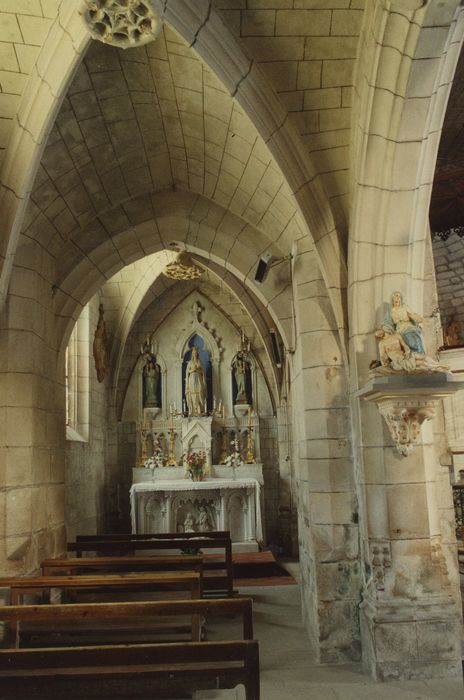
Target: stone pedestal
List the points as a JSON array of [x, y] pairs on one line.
[[411, 639]]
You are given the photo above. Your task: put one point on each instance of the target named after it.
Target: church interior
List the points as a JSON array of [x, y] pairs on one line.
[[232, 319]]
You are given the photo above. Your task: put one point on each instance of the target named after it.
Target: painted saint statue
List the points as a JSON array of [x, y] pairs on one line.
[[195, 385], [151, 375]]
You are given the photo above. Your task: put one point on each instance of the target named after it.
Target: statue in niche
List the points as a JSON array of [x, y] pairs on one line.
[[151, 376], [189, 523], [406, 323], [204, 521], [195, 385], [100, 346], [242, 375], [453, 332], [396, 356]]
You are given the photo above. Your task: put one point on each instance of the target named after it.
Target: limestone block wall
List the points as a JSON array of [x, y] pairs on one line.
[[24, 25], [327, 506], [287, 536], [308, 50], [85, 460], [449, 267], [31, 432]]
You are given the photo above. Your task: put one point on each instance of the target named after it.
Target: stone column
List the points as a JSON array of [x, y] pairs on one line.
[[410, 615], [327, 509], [31, 433]]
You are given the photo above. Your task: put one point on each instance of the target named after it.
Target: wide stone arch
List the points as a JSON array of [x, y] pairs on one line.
[[405, 71], [202, 26], [233, 256]]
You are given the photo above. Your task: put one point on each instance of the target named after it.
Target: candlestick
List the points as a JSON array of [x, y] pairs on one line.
[[225, 446], [250, 454]]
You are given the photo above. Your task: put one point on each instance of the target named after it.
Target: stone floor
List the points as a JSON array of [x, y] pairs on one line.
[[287, 672]]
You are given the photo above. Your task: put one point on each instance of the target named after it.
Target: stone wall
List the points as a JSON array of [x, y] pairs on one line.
[[449, 269], [85, 459], [31, 432]]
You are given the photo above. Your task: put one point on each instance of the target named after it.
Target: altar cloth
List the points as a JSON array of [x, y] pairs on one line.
[[175, 485]]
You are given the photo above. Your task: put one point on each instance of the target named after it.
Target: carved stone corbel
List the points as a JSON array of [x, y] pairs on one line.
[[407, 401], [404, 420]]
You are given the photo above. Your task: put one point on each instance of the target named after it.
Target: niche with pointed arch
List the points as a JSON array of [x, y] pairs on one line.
[[205, 358]]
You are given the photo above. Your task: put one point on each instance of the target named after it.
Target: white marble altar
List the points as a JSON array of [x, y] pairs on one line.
[[163, 505]]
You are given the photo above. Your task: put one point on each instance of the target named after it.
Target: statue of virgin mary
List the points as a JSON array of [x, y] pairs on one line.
[[195, 385]]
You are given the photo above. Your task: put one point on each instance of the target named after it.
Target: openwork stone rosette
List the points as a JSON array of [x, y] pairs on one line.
[[123, 23], [183, 268]]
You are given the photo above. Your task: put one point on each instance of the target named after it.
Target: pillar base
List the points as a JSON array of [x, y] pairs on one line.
[[411, 640]]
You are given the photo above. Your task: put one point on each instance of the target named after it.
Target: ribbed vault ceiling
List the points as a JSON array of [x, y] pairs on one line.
[[144, 121]]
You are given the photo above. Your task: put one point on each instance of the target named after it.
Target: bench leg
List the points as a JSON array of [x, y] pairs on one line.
[[252, 689]]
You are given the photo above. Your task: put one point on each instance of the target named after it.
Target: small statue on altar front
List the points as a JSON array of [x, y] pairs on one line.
[[204, 521], [189, 523], [195, 385]]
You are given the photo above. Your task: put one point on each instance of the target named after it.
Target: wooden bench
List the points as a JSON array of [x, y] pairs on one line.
[[220, 534], [64, 672], [72, 672], [211, 579], [147, 582], [81, 618], [78, 565]]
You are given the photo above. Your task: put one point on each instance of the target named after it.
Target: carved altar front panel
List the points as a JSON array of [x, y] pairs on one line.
[[182, 506]]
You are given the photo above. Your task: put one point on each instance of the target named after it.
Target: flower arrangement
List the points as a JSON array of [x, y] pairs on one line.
[[157, 459], [194, 463], [234, 460]]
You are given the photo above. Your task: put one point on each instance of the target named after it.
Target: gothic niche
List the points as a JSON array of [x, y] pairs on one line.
[[151, 377], [197, 379], [241, 375]]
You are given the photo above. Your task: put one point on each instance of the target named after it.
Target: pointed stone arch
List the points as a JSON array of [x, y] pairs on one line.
[[207, 33]]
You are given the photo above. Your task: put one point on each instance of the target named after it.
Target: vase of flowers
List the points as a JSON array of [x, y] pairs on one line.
[[157, 459], [194, 463], [234, 460]]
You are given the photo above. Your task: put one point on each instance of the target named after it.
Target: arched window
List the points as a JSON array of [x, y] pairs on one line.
[[77, 375]]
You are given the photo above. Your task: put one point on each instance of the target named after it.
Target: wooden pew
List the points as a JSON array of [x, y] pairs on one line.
[[44, 671], [170, 541], [78, 565], [83, 616], [220, 534], [155, 581], [74, 671], [130, 536]]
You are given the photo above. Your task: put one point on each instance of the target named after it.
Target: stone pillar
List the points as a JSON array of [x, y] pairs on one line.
[[327, 509], [31, 437], [410, 615]]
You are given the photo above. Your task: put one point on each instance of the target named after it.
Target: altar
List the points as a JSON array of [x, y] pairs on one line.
[[199, 454], [171, 503]]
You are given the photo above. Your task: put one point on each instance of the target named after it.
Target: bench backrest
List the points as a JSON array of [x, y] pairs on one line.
[[124, 563], [74, 613], [152, 535]]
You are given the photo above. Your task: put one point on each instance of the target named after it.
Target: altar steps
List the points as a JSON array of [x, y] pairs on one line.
[[253, 569]]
